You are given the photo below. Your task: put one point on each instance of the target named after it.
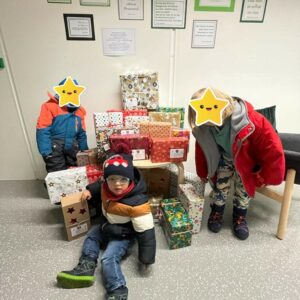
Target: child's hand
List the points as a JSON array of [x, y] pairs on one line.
[[86, 195]]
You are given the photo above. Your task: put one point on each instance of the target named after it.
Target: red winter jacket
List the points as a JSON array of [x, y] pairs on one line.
[[256, 148]]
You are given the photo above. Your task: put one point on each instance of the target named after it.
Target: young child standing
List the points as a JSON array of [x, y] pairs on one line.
[[126, 215], [234, 145], [60, 130]]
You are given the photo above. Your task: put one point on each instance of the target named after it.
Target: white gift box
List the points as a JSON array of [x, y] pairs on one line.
[[115, 118], [133, 121], [101, 119], [62, 183], [193, 202]]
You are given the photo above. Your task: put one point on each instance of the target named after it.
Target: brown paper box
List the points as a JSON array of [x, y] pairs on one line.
[[76, 215]]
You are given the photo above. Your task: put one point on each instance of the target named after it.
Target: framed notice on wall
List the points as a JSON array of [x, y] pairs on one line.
[[204, 33], [79, 27], [214, 5], [131, 9], [95, 2], [168, 14], [253, 11]]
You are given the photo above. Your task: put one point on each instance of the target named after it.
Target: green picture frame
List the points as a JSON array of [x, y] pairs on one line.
[[95, 2], [60, 1], [213, 5]]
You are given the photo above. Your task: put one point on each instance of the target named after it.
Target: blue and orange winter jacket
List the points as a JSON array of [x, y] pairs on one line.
[[60, 123]]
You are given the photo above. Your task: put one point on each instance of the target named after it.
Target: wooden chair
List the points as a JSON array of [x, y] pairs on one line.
[[291, 145]]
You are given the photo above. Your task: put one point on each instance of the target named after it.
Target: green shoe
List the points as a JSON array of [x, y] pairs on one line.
[[81, 276]]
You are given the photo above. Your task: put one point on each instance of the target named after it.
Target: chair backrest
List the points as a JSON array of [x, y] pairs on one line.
[[269, 114]]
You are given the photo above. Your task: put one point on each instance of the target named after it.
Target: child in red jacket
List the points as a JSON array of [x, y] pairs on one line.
[[234, 145]]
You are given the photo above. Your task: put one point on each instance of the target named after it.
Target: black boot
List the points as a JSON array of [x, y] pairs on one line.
[[81, 276], [120, 293], [240, 227], [215, 220]]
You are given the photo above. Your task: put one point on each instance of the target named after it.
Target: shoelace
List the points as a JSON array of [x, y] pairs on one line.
[[240, 220], [216, 216], [84, 265]]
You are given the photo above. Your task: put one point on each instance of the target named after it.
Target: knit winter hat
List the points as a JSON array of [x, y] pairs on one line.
[[119, 164]]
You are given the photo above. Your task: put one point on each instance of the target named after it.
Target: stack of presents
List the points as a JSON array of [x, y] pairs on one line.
[[152, 133]]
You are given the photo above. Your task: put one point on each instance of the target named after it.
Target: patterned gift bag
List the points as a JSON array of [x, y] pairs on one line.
[[140, 91]]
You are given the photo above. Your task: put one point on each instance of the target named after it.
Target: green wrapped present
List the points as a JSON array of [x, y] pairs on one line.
[[176, 224], [174, 109]]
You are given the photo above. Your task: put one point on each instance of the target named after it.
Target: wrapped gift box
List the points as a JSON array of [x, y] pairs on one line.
[[138, 144], [127, 130], [135, 112], [94, 172], [193, 202], [179, 132], [139, 91], [181, 110], [154, 201], [156, 129], [172, 149], [110, 118], [102, 140], [176, 224], [171, 117], [134, 121], [62, 183], [76, 216], [87, 157]]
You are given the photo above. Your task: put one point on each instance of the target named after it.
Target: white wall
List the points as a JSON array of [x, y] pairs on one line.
[[258, 62]]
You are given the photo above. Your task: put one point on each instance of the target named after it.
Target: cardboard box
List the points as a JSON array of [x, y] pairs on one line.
[[157, 181], [76, 216], [176, 224]]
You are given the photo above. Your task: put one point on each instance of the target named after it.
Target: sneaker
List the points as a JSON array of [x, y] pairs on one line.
[[215, 220], [81, 276], [240, 227], [120, 293]]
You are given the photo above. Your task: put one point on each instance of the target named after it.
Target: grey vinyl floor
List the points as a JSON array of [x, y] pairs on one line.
[[216, 266]]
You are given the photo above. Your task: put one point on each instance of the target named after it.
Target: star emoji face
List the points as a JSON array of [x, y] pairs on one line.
[[69, 93], [209, 108]]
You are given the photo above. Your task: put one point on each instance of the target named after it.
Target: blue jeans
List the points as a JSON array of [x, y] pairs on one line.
[[111, 258]]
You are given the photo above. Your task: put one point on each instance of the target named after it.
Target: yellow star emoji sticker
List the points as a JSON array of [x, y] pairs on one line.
[[209, 108], [69, 92]]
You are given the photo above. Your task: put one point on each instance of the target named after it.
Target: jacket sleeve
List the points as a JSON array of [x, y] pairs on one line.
[[269, 153], [81, 135], [94, 189], [43, 131], [201, 165], [146, 246]]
